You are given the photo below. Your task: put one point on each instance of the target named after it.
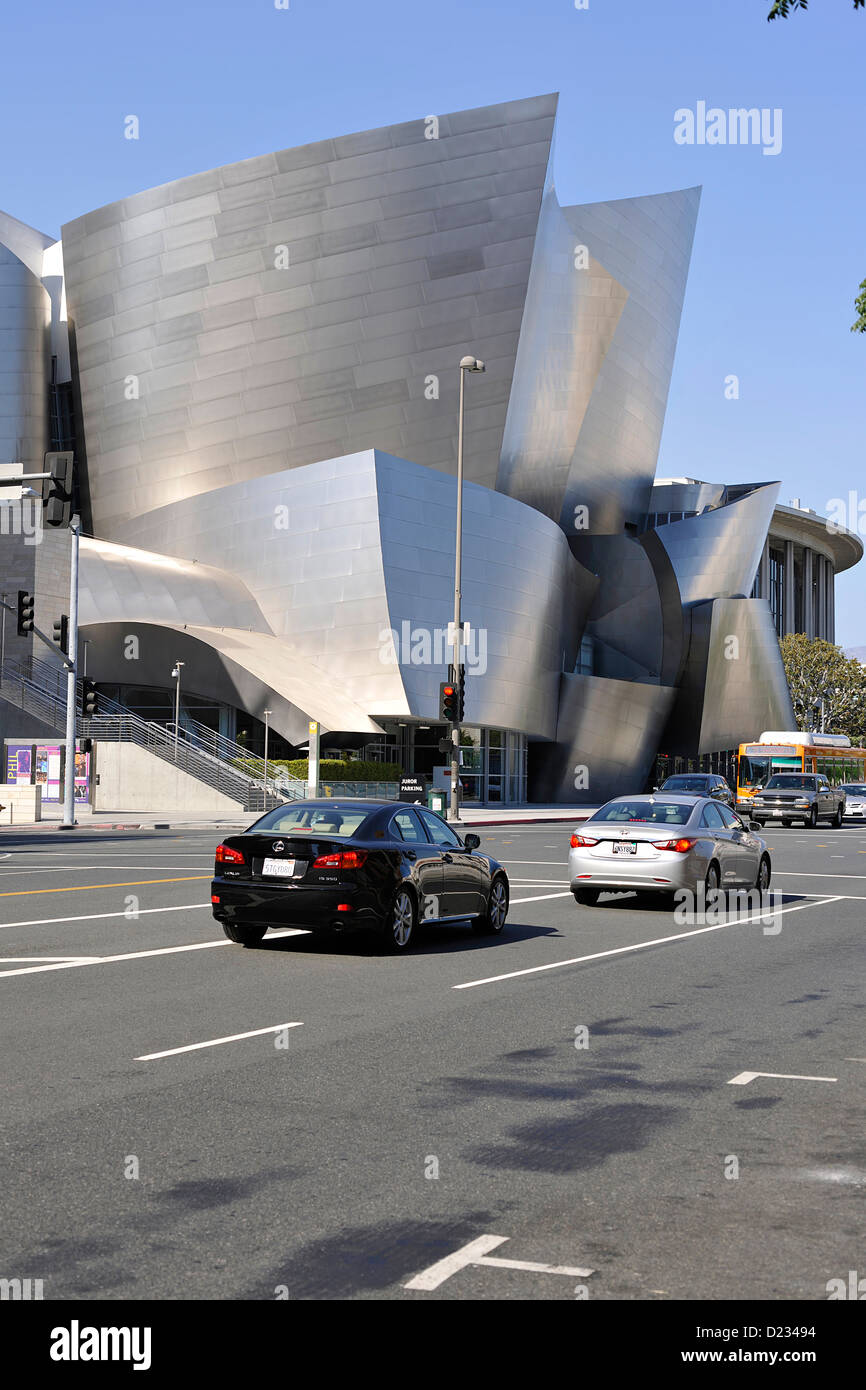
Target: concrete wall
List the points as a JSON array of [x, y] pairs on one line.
[[20, 805], [131, 779]]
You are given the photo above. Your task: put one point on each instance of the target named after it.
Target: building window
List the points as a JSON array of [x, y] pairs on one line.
[[777, 589]]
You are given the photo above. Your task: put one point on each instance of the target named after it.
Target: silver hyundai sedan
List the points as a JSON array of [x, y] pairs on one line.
[[661, 842]]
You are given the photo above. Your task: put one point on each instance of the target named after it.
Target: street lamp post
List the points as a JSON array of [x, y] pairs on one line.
[[467, 364], [178, 665], [267, 717], [68, 822]]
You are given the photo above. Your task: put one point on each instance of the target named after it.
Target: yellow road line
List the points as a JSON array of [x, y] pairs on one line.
[[86, 887]]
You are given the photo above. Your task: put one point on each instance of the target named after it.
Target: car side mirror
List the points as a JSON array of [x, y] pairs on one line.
[[471, 841], [755, 824]]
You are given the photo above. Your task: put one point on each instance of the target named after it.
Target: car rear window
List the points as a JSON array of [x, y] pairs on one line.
[[651, 812], [339, 822]]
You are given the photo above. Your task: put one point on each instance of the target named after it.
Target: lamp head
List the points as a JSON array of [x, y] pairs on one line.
[[471, 364]]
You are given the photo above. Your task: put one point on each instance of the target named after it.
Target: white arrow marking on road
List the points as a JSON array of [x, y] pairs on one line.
[[475, 1253], [215, 1042], [745, 1077]]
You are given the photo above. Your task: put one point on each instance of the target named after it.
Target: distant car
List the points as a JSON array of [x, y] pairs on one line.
[[347, 864], [803, 796], [699, 784], [660, 842], [855, 799]]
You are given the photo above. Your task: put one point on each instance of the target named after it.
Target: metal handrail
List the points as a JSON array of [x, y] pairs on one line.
[[219, 746]]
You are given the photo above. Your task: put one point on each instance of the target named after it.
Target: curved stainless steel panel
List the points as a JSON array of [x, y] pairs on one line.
[[607, 736], [716, 554], [342, 554], [733, 685], [304, 304], [645, 244]]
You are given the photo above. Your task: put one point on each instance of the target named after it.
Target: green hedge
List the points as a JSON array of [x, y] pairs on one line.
[[341, 770]]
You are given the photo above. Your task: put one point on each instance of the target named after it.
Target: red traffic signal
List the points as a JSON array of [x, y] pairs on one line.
[[449, 702]]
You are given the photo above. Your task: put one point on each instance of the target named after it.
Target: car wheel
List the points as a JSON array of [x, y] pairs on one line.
[[787, 824], [837, 819], [812, 822], [586, 897], [712, 882], [243, 935], [492, 921], [400, 923], [762, 882]]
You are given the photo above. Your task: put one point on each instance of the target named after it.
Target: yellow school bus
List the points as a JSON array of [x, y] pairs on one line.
[[775, 751]]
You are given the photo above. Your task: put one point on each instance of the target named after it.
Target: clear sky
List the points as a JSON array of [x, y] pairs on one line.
[[781, 241]]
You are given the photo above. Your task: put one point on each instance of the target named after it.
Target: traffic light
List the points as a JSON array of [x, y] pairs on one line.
[[449, 697], [86, 745], [88, 699], [25, 612], [461, 693], [61, 634], [57, 489]]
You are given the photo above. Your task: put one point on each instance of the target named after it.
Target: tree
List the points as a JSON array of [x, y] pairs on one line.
[[780, 10], [827, 688]]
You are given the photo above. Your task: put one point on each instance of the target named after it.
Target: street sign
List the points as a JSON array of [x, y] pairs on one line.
[[413, 789]]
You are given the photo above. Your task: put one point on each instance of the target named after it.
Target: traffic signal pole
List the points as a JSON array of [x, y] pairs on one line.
[[68, 822]]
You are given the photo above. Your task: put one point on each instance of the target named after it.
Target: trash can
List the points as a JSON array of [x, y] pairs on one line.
[[436, 800]]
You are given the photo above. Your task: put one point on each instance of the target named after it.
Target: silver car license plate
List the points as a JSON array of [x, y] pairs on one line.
[[625, 847], [279, 868]]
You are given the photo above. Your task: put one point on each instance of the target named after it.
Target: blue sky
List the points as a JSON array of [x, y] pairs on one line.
[[780, 247]]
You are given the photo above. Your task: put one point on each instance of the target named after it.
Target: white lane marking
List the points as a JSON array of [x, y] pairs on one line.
[[101, 916], [540, 898], [216, 1042], [744, 1077], [798, 873], [638, 946], [78, 868], [558, 862], [141, 955], [10, 960], [475, 1253]]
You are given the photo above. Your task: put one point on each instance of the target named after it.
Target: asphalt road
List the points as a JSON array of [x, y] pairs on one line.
[[427, 1101]]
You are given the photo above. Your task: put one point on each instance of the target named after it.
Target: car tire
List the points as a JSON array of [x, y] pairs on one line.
[[837, 819], [712, 881], [787, 824], [492, 920], [244, 934], [765, 873], [811, 822], [399, 930], [586, 897]]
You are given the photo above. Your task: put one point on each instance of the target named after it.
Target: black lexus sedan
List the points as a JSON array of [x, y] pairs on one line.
[[380, 865]]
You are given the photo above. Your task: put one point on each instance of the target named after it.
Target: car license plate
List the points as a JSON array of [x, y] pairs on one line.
[[279, 868], [625, 847]]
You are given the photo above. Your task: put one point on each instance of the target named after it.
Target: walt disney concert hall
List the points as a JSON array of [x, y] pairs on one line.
[[258, 368]]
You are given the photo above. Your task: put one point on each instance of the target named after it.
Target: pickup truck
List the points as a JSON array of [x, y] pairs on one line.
[[803, 796]]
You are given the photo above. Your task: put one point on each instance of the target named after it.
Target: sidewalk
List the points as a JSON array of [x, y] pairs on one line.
[[167, 820]]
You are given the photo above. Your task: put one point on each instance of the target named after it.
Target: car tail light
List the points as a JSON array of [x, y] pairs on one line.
[[214, 898], [579, 841], [226, 855], [680, 846], [343, 859]]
